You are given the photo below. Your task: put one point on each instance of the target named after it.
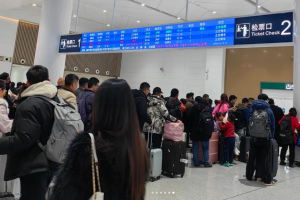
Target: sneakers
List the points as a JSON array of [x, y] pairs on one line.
[[207, 165], [236, 152], [226, 164], [230, 164], [283, 163]]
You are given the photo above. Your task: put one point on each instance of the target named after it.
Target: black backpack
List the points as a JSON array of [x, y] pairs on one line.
[[174, 110], [286, 134], [239, 120], [206, 122]]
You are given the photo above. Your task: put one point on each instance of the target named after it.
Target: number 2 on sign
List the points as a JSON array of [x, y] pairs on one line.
[[289, 25]]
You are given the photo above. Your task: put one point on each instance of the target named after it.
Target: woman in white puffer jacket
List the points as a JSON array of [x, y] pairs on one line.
[[5, 122]]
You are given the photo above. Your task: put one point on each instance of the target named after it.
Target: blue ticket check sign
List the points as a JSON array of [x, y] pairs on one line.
[[223, 32]]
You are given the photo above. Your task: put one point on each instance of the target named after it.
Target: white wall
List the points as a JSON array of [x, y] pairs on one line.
[[183, 69], [215, 77], [8, 32], [18, 73], [85, 75]]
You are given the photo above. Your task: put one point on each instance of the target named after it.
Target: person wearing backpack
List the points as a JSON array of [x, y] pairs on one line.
[[174, 106], [222, 106], [261, 129], [199, 115], [33, 122], [85, 103], [159, 114], [287, 137]]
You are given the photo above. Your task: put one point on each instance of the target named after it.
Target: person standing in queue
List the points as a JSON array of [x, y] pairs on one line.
[[121, 150], [261, 129], [174, 106], [290, 124], [85, 103], [83, 85], [33, 122], [67, 91], [196, 134], [232, 100], [159, 114], [278, 114], [140, 98]]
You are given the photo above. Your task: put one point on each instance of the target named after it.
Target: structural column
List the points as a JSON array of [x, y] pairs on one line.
[[296, 96], [55, 21]]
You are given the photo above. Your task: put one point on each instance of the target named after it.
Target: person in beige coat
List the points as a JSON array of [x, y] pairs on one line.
[[5, 122], [67, 91]]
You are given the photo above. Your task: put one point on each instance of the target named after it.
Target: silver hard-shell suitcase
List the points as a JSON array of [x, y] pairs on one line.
[[297, 154], [155, 160]]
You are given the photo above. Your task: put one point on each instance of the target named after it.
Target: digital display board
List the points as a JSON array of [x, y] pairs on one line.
[[273, 28], [264, 29]]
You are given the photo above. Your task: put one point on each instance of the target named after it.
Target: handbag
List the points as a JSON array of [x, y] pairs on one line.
[[97, 194]]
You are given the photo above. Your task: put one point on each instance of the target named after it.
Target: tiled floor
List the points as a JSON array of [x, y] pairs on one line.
[[220, 183]]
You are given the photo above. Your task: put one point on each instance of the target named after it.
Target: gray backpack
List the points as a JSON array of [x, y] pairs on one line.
[[259, 126], [67, 123]]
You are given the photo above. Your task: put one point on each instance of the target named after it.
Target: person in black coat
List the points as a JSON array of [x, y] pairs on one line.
[[140, 98], [197, 136], [278, 113], [33, 122]]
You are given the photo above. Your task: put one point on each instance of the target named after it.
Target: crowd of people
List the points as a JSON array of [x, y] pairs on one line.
[[116, 116]]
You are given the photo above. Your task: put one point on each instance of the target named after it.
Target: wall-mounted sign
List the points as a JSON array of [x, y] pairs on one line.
[[224, 32], [274, 28], [276, 86]]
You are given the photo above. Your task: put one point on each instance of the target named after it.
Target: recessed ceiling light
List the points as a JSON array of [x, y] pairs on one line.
[[214, 12], [142, 4], [178, 18], [108, 24], [259, 6], [265, 51], [104, 10], [74, 15], [33, 4], [138, 21]]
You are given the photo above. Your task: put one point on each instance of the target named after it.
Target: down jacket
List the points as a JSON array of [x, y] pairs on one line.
[[33, 122], [159, 114], [5, 122], [141, 108], [221, 108]]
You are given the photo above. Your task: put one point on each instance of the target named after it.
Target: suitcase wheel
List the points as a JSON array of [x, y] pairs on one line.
[[173, 175], [151, 179], [162, 172], [182, 175]]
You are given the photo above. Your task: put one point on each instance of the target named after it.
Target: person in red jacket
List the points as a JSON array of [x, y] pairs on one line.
[[229, 142], [291, 144]]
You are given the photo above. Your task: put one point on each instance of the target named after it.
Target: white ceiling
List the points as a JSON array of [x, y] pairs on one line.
[[127, 13]]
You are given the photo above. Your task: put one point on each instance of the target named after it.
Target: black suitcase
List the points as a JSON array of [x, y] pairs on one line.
[[174, 157], [244, 148], [221, 149]]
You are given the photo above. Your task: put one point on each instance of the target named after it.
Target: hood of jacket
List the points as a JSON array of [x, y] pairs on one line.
[[260, 104], [3, 102], [45, 88], [138, 93], [241, 106], [153, 99]]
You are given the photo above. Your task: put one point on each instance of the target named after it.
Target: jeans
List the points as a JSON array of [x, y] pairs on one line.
[[292, 152], [229, 144], [34, 186], [205, 149], [258, 161]]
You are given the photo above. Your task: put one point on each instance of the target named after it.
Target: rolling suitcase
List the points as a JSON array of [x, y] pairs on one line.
[[155, 160], [244, 148], [297, 154], [221, 149], [273, 157], [213, 148], [174, 157]]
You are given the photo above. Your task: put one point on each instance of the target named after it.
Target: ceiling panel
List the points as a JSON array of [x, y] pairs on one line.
[[174, 7], [152, 3], [194, 12], [278, 5]]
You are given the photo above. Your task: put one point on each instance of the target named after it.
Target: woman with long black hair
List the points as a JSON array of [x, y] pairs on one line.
[[121, 150]]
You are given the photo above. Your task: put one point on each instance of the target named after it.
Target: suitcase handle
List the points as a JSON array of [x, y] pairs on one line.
[[150, 131]]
